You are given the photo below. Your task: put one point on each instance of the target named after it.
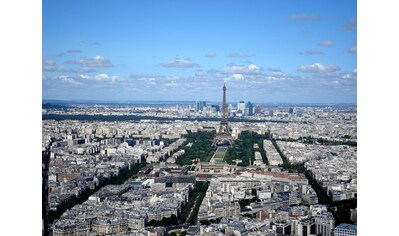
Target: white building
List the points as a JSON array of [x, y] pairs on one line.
[[345, 230]]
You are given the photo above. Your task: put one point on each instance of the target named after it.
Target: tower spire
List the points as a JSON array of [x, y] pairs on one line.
[[223, 137]]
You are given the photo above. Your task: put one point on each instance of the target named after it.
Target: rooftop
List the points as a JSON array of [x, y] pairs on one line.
[[347, 226]]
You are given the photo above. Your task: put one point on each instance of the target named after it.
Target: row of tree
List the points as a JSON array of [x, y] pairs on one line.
[[202, 188], [201, 149], [243, 149], [339, 209], [322, 141], [120, 179], [192, 204], [166, 221]]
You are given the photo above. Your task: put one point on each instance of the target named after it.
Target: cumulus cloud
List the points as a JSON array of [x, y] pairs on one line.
[[145, 79], [84, 77], [304, 17], [238, 76], [253, 68], [347, 76], [101, 77], [180, 63], [237, 69], [318, 68], [50, 66], [68, 80], [326, 43], [239, 55], [96, 61], [210, 54], [277, 73], [234, 77], [352, 25]]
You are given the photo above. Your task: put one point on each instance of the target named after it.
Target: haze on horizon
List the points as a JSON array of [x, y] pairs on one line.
[[267, 51]]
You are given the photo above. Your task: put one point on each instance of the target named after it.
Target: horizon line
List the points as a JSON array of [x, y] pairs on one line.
[[186, 101]]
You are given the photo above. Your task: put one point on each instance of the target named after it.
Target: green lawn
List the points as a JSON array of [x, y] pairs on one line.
[[219, 154]]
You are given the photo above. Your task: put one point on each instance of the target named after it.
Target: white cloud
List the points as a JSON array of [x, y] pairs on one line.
[[96, 61], [318, 68], [238, 76], [69, 80], [271, 78], [236, 69], [84, 77], [146, 79], [101, 77], [180, 63], [254, 68], [347, 76], [326, 43], [210, 54]]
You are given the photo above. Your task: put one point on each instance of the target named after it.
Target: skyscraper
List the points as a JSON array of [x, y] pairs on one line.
[[199, 106], [217, 107], [241, 107], [250, 107]]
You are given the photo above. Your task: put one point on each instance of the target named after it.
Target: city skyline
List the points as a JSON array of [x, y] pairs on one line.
[[294, 52]]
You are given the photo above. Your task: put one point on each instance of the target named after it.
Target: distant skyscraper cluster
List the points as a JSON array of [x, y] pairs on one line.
[[199, 106], [242, 109], [245, 109]]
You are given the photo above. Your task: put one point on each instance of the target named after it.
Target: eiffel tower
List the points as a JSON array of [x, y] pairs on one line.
[[223, 137]]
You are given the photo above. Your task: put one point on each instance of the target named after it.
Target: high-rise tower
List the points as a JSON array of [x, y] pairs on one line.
[[223, 137]]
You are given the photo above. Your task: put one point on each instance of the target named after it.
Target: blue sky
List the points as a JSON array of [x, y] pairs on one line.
[[266, 51]]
